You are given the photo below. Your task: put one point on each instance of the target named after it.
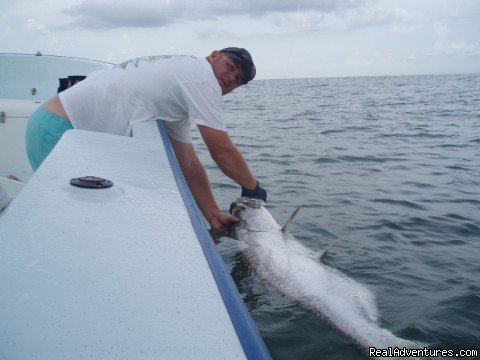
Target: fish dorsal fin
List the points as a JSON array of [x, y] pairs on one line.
[[289, 220], [321, 253]]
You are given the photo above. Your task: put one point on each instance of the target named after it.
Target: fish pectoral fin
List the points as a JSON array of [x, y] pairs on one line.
[[321, 253], [290, 218]]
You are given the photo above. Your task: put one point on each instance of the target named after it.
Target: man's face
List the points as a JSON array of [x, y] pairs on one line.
[[229, 73]]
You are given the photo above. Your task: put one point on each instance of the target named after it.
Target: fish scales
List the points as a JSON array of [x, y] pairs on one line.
[[296, 271]]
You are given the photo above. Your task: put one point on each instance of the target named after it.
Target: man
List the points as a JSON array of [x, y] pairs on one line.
[[181, 90]]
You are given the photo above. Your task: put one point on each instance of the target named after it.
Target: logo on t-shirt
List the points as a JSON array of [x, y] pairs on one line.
[[136, 61]]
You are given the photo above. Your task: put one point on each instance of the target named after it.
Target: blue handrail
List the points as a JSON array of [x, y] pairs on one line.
[[248, 334]]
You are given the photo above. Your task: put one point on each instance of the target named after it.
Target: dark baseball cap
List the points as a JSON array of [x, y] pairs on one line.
[[243, 57]]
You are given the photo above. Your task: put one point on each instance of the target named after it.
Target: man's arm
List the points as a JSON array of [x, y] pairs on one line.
[[199, 185], [228, 158]]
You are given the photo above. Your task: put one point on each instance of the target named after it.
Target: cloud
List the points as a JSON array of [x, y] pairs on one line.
[[359, 60], [367, 17], [9, 3], [404, 29], [33, 24], [109, 14], [299, 20], [452, 48], [277, 25], [440, 30], [5, 28], [459, 10], [95, 14], [443, 47]]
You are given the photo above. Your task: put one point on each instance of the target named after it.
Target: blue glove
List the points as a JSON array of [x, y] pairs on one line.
[[258, 193]]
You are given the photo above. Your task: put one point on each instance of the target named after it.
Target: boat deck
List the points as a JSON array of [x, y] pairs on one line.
[[113, 273]]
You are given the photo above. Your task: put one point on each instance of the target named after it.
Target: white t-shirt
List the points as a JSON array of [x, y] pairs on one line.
[[178, 89]]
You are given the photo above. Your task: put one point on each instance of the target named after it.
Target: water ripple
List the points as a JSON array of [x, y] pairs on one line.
[[403, 203], [387, 167]]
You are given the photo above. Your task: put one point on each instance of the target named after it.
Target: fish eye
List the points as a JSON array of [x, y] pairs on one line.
[[235, 207], [238, 210]]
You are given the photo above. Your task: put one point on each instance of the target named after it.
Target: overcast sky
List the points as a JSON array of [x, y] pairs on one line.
[[287, 38]]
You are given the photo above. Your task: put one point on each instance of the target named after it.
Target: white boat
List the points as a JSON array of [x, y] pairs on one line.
[[128, 271], [27, 80]]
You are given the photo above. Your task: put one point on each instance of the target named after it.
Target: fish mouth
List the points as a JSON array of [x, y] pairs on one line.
[[236, 209]]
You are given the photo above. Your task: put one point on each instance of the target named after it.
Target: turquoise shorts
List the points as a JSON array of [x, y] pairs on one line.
[[44, 129]]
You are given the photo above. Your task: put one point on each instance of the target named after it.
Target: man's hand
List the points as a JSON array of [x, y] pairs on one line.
[[223, 222], [257, 193]]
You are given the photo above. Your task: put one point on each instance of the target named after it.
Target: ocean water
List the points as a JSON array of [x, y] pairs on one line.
[[388, 168]]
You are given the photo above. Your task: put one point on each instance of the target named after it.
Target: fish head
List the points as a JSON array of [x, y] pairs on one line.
[[253, 215], [239, 207]]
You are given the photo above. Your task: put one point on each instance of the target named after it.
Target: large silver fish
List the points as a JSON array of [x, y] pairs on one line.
[[296, 271]]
